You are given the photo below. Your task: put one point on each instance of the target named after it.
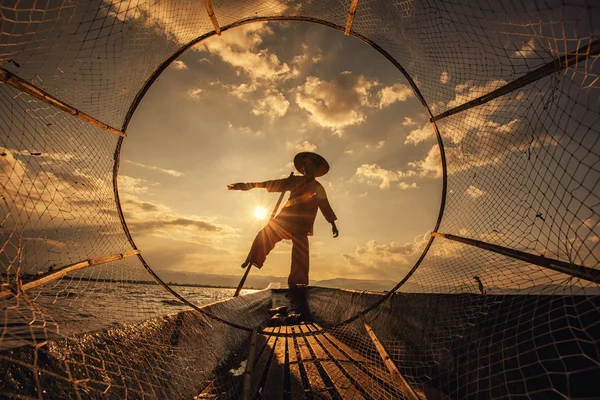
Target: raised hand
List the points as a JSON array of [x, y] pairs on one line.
[[334, 230], [238, 186]]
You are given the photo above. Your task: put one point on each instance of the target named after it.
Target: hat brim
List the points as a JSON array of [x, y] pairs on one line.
[[321, 164]]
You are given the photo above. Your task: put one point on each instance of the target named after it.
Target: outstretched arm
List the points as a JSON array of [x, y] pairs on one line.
[[241, 186], [278, 185]]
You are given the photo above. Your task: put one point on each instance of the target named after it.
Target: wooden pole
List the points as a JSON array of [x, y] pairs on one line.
[[579, 271], [213, 17], [67, 269], [403, 385], [351, 13], [247, 383], [241, 284], [550, 68], [22, 85]]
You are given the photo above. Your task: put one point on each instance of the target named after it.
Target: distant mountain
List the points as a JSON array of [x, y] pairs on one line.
[[374, 285], [258, 281], [193, 278], [356, 284]]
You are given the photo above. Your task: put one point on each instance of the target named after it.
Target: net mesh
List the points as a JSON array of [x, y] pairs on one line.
[[521, 173]]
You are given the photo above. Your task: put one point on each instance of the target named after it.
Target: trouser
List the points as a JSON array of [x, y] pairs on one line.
[[266, 240]]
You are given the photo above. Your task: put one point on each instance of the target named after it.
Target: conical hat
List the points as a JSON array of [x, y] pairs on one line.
[[321, 164]]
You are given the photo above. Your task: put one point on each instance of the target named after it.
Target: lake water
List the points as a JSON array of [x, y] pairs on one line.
[[69, 307]]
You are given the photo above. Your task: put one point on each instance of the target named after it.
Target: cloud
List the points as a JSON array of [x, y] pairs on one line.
[[165, 224], [417, 136], [404, 185], [178, 64], [179, 21], [273, 105], [305, 56], [373, 174], [335, 104], [474, 192], [408, 122], [131, 185], [158, 220], [245, 130], [527, 50], [242, 90], [467, 91], [55, 192], [342, 102], [302, 145], [195, 93], [171, 172], [395, 93], [476, 137], [134, 204], [239, 48], [444, 77], [431, 165], [378, 260]]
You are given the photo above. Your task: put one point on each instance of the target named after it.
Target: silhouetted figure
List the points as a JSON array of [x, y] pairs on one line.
[[480, 284], [297, 217]]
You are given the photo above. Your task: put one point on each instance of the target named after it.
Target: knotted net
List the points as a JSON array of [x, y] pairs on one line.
[[504, 300]]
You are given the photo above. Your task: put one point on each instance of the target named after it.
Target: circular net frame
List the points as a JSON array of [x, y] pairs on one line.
[[502, 303]]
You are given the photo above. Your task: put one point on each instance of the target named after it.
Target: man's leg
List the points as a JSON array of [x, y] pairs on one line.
[[264, 242], [300, 261]]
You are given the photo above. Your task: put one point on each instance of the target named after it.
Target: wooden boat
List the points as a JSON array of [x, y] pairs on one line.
[[413, 346]]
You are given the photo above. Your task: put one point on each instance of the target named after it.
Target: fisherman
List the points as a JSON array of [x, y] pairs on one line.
[[297, 217]]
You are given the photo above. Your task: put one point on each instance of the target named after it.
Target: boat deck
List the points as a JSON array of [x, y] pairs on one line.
[[295, 364]]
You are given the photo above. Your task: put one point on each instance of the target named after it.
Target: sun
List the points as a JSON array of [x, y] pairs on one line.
[[260, 213]]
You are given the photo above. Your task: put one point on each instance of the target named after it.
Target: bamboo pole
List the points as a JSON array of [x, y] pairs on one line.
[[213, 17], [20, 84], [247, 383], [553, 66], [63, 271], [403, 385], [579, 271], [351, 13], [241, 284]]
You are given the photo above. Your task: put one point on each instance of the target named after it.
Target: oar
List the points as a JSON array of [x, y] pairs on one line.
[[241, 285]]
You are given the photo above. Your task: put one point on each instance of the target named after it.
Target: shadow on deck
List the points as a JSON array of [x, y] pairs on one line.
[[296, 363]]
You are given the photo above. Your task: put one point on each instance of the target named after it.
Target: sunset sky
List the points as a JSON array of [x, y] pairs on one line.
[[522, 169], [238, 108]]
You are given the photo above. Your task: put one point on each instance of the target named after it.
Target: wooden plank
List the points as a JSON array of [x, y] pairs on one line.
[[556, 65], [407, 390], [209, 391], [63, 271], [261, 364], [247, 382], [213, 17], [317, 386], [344, 386], [348, 350], [22, 85], [369, 383], [579, 271], [351, 13], [274, 386], [296, 387]]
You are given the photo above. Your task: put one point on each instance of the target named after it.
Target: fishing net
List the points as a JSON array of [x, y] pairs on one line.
[[503, 302]]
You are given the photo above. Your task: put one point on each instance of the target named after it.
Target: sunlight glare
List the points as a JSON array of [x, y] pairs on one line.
[[260, 213]]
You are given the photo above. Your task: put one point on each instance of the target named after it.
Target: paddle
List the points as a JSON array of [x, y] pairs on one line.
[[241, 285]]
